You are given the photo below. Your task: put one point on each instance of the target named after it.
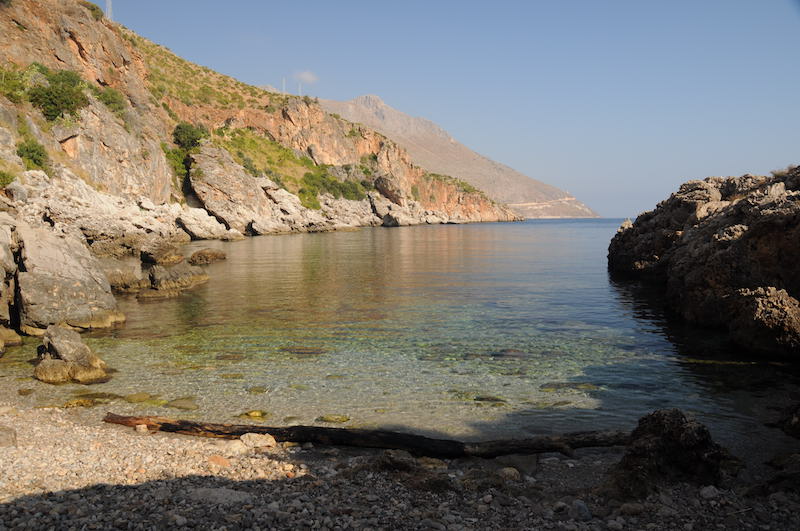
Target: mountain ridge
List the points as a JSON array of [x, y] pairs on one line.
[[432, 147]]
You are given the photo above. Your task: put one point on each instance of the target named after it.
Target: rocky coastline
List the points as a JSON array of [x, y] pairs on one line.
[[725, 251]]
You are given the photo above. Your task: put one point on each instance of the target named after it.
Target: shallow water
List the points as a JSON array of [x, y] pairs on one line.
[[471, 331]]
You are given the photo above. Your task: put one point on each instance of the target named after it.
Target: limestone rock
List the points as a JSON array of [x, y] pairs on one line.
[[65, 344], [61, 283], [207, 256], [178, 277], [66, 358], [258, 440], [200, 225], [125, 275]]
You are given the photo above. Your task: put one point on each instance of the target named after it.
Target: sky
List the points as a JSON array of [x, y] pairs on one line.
[[617, 102]]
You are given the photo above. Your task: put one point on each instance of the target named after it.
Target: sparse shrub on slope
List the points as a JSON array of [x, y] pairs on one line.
[[33, 154], [5, 177], [63, 95], [94, 9]]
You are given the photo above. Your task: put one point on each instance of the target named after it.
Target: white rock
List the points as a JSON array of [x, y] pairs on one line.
[[709, 492], [258, 440]]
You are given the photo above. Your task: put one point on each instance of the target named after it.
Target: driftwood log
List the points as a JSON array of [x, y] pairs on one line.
[[415, 444]]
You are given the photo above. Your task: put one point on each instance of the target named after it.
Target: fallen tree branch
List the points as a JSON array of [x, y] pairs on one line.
[[415, 444]]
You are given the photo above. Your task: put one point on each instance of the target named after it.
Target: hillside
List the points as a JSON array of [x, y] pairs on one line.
[[432, 147], [113, 150]]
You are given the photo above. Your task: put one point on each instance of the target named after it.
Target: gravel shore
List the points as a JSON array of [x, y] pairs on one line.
[[68, 470]]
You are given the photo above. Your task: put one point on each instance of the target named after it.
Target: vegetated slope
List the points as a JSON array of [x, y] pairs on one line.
[[432, 147]]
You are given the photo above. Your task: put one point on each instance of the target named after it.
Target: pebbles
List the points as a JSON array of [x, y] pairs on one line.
[[69, 470]]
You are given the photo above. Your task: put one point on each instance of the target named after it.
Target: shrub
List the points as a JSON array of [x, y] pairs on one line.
[[188, 136], [113, 99], [33, 154], [5, 177], [176, 158], [5, 2], [12, 85], [170, 111], [64, 95], [94, 9]]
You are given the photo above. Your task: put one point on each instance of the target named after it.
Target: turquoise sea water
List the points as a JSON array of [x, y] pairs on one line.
[[473, 331]]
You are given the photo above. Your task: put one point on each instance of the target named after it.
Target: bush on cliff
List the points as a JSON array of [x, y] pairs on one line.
[[63, 95], [33, 154], [188, 136], [5, 177], [94, 9]]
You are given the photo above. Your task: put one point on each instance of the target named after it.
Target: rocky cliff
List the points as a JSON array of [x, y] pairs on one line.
[[726, 251], [432, 147], [112, 144]]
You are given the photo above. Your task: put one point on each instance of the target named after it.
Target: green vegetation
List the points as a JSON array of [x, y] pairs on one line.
[[12, 84], [95, 10], [5, 177], [33, 154], [174, 79], [187, 136], [352, 133], [63, 95], [170, 111], [5, 3], [319, 182], [458, 183], [297, 174], [415, 192], [111, 98]]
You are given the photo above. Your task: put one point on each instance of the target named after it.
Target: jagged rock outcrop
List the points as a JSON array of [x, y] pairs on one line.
[[726, 251]]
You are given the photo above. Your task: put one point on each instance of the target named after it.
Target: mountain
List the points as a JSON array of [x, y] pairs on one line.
[[432, 147]]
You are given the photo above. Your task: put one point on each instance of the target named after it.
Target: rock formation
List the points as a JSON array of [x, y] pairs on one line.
[[64, 357], [667, 447], [726, 250]]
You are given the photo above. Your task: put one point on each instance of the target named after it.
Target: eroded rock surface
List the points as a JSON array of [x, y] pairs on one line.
[[726, 250], [66, 358], [61, 282]]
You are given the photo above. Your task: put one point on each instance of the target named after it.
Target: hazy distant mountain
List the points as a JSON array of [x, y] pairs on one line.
[[433, 148]]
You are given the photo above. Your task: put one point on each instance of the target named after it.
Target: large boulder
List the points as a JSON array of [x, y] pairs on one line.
[[207, 256], [668, 447], [64, 357], [726, 252], [60, 282]]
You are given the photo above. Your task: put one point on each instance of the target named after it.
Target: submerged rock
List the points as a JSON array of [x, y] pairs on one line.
[[207, 256], [335, 419], [187, 403]]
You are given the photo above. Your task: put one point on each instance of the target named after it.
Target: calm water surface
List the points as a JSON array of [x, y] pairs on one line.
[[471, 331]]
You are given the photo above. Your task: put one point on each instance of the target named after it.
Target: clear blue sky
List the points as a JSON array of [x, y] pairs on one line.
[[616, 101]]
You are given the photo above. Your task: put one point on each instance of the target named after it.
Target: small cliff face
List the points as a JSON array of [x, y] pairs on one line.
[[726, 250]]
